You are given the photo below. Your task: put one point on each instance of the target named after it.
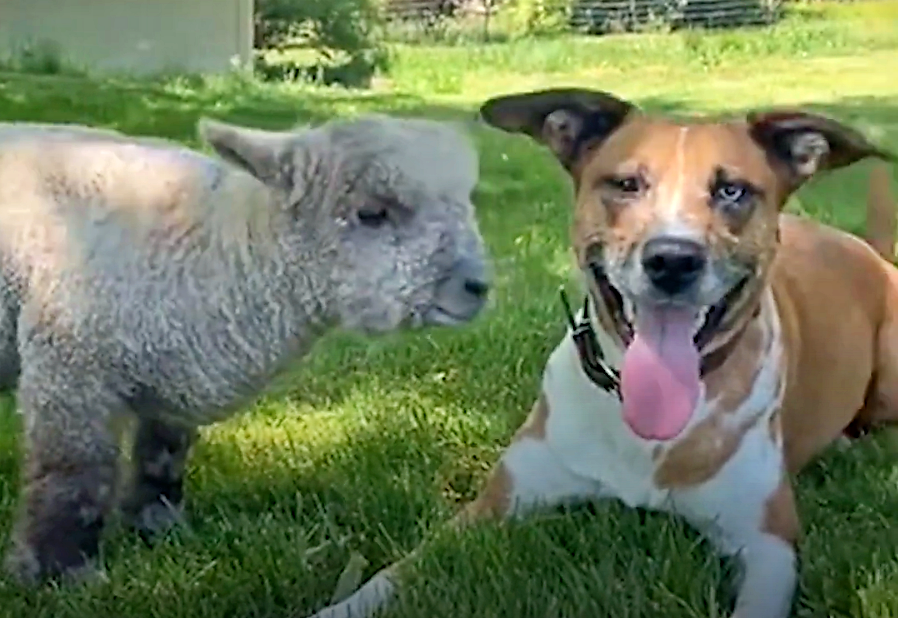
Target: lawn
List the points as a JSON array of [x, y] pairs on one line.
[[370, 444]]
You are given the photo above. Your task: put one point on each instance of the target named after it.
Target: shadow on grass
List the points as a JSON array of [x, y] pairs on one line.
[[479, 397], [848, 494]]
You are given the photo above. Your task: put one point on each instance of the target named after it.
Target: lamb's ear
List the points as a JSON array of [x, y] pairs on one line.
[[264, 154], [567, 120], [809, 143]]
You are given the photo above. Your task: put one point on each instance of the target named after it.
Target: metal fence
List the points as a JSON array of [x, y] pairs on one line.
[[490, 19]]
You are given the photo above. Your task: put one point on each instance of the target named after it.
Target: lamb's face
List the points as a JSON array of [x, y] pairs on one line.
[[409, 250], [390, 201]]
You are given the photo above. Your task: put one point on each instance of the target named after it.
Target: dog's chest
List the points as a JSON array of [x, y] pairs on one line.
[[586, 431]]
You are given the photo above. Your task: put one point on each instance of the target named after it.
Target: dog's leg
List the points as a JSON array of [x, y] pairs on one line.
[[528, 476], [70, 470], [155, 497], [880, 409], [769, 560], [882, 404]]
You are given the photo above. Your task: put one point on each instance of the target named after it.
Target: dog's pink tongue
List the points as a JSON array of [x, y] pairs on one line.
[[660, 373]]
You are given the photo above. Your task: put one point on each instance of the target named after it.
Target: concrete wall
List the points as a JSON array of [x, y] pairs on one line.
[[141, 36]]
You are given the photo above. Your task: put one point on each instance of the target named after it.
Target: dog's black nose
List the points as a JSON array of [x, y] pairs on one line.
[[673, 264]]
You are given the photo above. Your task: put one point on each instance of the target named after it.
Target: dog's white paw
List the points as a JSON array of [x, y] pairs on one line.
[[366, 602]]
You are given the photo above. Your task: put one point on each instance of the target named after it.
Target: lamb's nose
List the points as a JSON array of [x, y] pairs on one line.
[[477, 287], [474, 277]]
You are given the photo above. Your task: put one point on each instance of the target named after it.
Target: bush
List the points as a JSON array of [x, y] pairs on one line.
[[344, 34], [39, 57], [538, 17]]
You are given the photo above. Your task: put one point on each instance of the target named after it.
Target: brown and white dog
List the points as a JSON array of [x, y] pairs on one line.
[[745, 340]]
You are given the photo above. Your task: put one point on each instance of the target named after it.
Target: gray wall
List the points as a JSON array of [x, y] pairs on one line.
[[141, 36]]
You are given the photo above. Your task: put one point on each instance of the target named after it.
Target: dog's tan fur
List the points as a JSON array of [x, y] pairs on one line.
[[813, 295]]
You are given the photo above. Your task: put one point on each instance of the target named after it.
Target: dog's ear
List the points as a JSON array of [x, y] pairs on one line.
[[809, 143], [567, 120]]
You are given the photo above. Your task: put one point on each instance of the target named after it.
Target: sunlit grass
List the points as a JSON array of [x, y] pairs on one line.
[[370, 444]]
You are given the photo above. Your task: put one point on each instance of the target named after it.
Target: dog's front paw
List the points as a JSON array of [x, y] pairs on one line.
[[368, 601]]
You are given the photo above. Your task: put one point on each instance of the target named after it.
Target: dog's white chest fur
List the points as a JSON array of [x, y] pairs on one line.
[[588, 436], [586, 430]]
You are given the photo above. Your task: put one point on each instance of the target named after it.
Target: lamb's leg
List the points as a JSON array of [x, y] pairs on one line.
[[156, 493], [69, 473], [527, 476], [9, 352]]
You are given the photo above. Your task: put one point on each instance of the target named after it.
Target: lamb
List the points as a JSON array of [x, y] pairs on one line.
[[141, 278]]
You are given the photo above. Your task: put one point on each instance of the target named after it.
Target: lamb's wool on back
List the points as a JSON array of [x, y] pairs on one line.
[[107, 188], [122, 239], [17, 130], [88, 193]]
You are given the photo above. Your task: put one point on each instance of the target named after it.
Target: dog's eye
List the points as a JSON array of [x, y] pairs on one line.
[[730, 192], [628, 185], [373, 216]]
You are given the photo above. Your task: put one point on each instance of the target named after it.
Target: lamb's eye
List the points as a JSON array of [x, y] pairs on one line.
[[374, 216]]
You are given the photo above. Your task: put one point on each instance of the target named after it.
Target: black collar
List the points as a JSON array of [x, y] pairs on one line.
[[592, 358]]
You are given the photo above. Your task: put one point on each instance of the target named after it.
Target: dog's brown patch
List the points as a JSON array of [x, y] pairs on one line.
[[780, 515], [823, 395], [535, 424], [494, 500], [698, 456], [732, 382]]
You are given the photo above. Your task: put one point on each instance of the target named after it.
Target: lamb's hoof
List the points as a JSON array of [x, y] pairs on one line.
[[24, 567], [88, 574], [155, 519]]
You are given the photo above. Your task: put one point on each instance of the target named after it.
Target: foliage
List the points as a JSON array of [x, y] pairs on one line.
[[373, 443], [537, 17], [39, 58], [345, 34]]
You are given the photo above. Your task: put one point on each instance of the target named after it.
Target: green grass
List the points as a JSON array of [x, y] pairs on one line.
[[371, 444]]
